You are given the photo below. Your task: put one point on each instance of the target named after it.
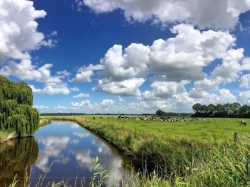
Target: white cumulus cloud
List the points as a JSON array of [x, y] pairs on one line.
[[119, 66], [74, 89], [107, 103], [128, 87], [58, 107], [18, 30], [245, 81], [81, 95], [231, 66], [83, 76], [244, 97], [175, 59], [164, 90], [223, 14], [83, 104], [49, 90], [183, 57]]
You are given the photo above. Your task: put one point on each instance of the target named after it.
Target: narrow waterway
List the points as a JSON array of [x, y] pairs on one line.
[[62, 151]]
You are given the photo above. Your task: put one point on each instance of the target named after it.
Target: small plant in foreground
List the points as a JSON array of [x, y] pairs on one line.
[[100, 175], [14, 182]]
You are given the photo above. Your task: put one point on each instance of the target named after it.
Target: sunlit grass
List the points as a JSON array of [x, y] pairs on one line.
[[222, 128], [6, 135], [43, 122]]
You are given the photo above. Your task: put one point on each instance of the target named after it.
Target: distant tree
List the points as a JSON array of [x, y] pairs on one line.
[[197, 107], [219, 108], [228, 108], [243, 110], [236, 107], [211, 108], [204, 108], [160, 112]]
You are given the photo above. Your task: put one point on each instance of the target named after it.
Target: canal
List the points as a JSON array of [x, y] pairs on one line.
[[61, 151]]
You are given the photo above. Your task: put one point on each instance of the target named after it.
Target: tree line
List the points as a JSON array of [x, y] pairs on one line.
[[61, 114], [162, 113], [233, 110], [16, 112]]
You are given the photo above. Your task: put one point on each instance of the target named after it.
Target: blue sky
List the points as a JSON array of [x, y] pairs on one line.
[[119, 56]]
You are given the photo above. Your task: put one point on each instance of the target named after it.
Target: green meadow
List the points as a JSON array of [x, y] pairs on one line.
[[203, 130]]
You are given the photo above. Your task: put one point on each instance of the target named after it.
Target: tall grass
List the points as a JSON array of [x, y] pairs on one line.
[[43, 122], [227, 164]]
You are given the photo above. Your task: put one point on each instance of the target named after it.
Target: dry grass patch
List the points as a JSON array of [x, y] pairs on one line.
[[5, 136]]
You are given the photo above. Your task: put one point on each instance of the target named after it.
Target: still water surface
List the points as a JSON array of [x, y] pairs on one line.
[[64, 151]]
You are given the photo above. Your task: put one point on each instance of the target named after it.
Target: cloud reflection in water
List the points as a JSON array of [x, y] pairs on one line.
[[53, 148], [73, 150]]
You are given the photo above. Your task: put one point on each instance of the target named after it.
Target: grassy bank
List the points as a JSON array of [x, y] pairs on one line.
[[176, 152], [8, 135], [43, 122]]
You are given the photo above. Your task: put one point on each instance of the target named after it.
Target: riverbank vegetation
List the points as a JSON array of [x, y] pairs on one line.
[[16, 112], [43, 122], [198, 152], [7, 135]]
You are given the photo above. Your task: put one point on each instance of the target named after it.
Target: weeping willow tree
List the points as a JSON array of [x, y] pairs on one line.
[[16, 112], [16, 157]]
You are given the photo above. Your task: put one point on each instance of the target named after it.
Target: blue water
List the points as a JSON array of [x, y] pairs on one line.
[[66, 152]]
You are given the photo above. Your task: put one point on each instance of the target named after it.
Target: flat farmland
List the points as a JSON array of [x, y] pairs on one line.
[[200, 128]]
